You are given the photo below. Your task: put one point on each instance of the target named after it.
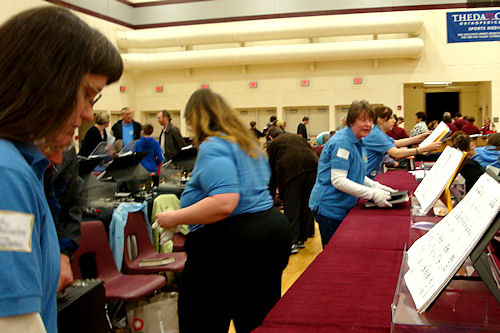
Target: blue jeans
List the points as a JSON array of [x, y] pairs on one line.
[[327, 227]]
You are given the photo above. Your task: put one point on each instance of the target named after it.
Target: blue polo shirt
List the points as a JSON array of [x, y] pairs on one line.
[[127, 133], [222, 167], [343, 152], [377, 143], [28, 280]]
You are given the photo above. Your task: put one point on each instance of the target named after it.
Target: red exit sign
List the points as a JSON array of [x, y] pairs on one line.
[[357, 80]]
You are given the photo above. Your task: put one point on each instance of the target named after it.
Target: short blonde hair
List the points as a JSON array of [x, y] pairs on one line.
[[101, 118]]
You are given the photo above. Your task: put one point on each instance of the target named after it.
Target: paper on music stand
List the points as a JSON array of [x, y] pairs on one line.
[[434, 259], [431, 187], [439, 133]]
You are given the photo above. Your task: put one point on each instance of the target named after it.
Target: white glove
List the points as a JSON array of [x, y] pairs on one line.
[[375, 184], [165, 236], [386, 188], [381, 197]]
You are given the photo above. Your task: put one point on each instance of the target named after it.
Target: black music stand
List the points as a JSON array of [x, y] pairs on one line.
[[86, 165], [127, 167]]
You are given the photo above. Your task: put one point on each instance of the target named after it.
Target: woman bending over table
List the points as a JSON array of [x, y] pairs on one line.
[[238, 243]]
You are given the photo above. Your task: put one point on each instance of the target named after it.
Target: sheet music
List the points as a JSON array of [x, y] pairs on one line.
[[435, 257], [431, 187], [438, 133]]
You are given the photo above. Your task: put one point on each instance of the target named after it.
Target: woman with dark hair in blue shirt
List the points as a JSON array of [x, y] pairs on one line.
[[378, 143], [53, 68], [238, 243]]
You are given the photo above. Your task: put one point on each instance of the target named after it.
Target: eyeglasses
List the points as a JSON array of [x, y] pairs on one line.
[[50, 147], [97, 97]]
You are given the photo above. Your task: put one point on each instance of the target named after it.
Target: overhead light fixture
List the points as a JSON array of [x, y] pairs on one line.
[[437, 83]]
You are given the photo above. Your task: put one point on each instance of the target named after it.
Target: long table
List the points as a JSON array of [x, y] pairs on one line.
[[350, 285]]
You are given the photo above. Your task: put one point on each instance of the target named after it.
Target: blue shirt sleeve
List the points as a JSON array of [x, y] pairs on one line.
[[28, 280], [217, 169], [20, 276], [378, 142]]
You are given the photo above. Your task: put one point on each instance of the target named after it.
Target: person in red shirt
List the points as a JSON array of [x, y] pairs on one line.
[[447, 121], [397, 132], [459, 121], [470, 128]]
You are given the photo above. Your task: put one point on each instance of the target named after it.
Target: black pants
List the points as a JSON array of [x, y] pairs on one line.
[[296, 206], [233, 271]]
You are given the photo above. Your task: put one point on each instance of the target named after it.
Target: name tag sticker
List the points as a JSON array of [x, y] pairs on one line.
[[15, 231], [343, 153]]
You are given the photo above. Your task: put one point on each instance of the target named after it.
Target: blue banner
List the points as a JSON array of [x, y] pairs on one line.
[[476, 26]]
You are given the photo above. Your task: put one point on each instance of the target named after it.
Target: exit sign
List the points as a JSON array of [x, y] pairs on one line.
[[357, 80], [204, 86], [304, 83], [253, 84], [159, 89]]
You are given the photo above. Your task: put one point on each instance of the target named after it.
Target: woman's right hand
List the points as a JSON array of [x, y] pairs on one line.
[[167, 219]]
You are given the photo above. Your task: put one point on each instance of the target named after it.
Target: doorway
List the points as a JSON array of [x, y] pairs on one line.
[[437, 103], [259, 115], [319, 119]]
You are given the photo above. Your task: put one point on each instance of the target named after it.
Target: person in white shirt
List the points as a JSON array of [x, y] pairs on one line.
[[420, 126]]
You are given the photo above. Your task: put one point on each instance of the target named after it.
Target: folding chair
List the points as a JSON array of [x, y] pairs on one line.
[[94, 259], [136, 226]]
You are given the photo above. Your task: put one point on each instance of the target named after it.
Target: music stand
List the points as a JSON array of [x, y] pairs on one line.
[[127, 167], [127, 149], [481, 262], [86, 165], [185, 158], [96, 158]]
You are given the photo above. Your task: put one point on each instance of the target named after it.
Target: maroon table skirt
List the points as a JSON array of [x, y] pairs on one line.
[[350, 286]]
